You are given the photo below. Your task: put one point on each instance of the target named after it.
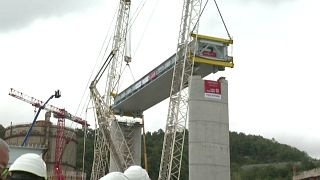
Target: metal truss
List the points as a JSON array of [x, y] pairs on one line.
[[178, 106], [105, 146]]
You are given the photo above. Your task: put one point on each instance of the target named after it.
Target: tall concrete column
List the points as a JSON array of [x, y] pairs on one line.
[[209, 155], [132, 133]]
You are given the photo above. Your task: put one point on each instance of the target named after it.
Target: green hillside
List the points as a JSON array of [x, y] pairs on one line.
[[252, 157]]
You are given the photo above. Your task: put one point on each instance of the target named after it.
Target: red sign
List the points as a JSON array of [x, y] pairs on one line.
[[153, 75], [209, 54], [212, 89]]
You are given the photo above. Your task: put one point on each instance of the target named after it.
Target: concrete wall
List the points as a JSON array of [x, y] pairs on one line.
[[16, 151], [68, 162], [313, 174], [209, 155], [14, 135], [68, 175]]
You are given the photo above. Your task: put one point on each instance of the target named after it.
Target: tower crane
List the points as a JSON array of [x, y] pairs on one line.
[[171, 158], [61, 115], [105, 147]]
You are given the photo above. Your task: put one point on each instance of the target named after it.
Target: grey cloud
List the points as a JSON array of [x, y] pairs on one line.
[[16, 14]]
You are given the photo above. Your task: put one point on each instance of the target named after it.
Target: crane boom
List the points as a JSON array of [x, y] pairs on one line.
[[57, 112], [105, 147], [178, 107]]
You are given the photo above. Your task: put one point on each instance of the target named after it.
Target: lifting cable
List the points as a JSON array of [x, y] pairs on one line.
[[136, 13], [84, 145], [131, 22], [118, 81], [97, 78], [96, 63], [93, 69], [145, 28], [205, 5], [134, 80], [225, 26]]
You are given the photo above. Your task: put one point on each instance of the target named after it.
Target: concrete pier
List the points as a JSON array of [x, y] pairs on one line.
[[132, 133], [209, 154]]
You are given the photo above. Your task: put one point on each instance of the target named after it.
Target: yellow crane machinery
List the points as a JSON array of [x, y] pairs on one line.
[[211, 50]]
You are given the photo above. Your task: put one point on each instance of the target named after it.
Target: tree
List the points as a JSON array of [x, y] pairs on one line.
[[244, 150], [89, 151]]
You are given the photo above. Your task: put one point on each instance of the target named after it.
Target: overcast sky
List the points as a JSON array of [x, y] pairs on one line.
[[273, 89]]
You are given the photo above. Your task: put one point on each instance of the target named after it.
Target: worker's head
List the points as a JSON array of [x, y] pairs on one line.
[[136, 173], [28, 167], [114, 176], [4, 156]]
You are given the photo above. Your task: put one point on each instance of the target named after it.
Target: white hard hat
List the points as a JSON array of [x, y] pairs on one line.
[[136, 173], [114, 176], [31, 163]]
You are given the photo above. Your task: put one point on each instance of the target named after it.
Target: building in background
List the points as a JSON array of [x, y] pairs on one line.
[[42, 141], [313, 174]]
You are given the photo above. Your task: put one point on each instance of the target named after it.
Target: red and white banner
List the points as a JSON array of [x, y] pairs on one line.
[[212, 89]]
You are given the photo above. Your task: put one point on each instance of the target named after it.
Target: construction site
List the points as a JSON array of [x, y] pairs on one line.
[[201, 105], [192, 78], [42, 141]]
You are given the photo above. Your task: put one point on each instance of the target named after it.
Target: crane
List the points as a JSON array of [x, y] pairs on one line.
[[186, 56], [171, 157], [61, 115], [105, 147]]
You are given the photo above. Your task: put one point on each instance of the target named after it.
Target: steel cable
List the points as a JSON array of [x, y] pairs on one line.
[[225, 26]]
